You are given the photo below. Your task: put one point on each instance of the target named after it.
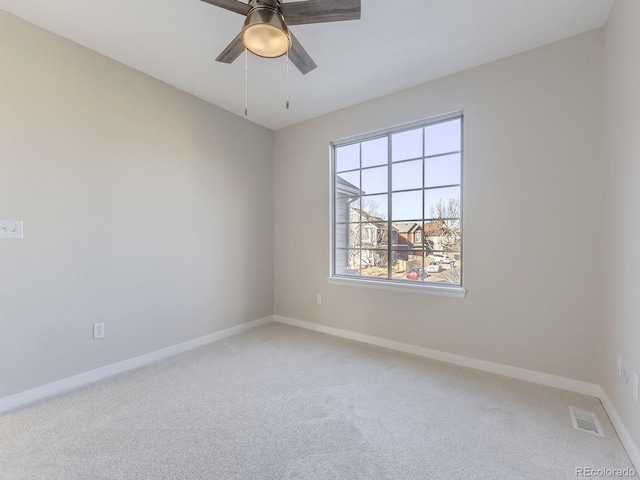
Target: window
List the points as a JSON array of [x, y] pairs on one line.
[[397, 205]]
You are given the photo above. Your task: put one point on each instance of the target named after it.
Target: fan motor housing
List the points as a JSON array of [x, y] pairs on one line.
[[265, 3]]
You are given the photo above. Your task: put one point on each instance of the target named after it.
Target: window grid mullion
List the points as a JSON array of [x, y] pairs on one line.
[[361, 211], [334, 194], [389, 207], [424, 214]]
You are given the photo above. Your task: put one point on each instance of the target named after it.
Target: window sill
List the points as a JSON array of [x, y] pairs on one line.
[[425, 289]]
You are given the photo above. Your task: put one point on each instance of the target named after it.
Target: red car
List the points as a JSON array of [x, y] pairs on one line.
[[416, 274]]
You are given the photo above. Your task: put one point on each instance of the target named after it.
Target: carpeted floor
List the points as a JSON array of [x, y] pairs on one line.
[[283, 403]]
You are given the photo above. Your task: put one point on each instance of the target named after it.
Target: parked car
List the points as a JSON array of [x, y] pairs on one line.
[[439, 259], [417, 273], [434, 267]]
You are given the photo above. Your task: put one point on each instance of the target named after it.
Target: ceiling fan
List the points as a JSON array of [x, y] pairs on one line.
[[266, 29]]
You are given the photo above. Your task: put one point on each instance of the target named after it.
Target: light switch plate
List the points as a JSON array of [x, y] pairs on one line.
[[10, 229], [634, 386]]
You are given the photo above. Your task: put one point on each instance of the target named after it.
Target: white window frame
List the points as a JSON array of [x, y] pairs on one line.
[[447, 290]]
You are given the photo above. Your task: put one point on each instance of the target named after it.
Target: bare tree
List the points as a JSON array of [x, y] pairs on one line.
[[449, 209], [370, 207], [452, 275], [367, 231], [447, 214]]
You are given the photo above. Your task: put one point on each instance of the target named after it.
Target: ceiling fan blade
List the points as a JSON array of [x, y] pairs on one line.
[[233, 50], [299, 56], [233, 5], [318, 11]]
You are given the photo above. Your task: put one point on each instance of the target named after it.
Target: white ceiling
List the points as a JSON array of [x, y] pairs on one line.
[[397, 44]]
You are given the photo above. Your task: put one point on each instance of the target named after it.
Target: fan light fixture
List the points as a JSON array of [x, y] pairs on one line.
[[265, 33]]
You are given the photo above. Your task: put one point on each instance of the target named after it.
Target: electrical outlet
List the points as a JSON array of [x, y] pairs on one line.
[[634, 386], [98, 330], [319, 299], [619, 366]]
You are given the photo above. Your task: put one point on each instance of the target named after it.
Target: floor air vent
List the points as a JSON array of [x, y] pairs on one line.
[[586, 421]]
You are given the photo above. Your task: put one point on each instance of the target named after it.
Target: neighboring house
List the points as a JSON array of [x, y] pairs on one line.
[[417, 235], [442, 236], [370, 233], [410, 237], [432, 236], [346, 194], [361, 237], [439, 236], [405, 235], [405, 240]]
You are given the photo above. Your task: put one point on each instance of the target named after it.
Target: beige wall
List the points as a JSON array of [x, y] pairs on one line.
[[532, 179], [148, 209], [622, 162], [143, 207]]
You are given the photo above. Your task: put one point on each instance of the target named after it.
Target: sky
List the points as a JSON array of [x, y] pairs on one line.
[[407, 153]]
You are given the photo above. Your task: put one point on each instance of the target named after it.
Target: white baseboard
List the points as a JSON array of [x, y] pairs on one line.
[[70, 383], [569, 384], [623, 433]]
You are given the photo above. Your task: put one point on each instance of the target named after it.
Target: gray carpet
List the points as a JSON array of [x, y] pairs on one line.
[[283, 403]]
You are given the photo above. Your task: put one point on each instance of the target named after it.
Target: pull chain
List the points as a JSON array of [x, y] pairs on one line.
[[246, 82], [287, 84]]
